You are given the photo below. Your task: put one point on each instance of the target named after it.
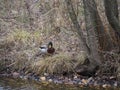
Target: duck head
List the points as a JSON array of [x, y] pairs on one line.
[[50, 45], [50, 49]]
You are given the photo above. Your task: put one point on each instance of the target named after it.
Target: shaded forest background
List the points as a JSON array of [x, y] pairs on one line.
[[27, 24]]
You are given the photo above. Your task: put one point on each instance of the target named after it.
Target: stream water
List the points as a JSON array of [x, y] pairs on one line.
[[15, 84]]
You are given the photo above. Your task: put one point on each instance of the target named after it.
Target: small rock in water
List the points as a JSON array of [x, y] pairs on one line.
[[21, 76], [75, 77], [50, 80], [115, 84], [80, 83], [90, 79], [46, 74], [57, 81], [43, 78], [105, 85], [84, 81], [70, 82]]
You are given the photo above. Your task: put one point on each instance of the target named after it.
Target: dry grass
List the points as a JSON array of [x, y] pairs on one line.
[[58, 63], [24, 38], [21, 45], [80, 58], [54, 64]]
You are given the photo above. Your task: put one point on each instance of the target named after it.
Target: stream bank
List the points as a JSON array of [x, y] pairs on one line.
[[69, 80], [19, 84]]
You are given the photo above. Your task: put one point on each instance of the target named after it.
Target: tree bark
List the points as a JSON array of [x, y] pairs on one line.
[[104, 41], [92, 50], [94, 28], [77, 27], [111, 10]]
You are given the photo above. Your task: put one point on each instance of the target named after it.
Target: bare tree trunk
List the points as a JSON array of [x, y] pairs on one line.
[[115, 8], [94, 28], [104, 41], [77, 26], [92, 50], [111, 10]]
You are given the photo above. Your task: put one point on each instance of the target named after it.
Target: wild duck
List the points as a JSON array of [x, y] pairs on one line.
[[44, 49]]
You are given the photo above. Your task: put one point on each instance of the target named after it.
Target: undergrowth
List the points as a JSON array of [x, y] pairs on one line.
[[18, 47], [58, 63]]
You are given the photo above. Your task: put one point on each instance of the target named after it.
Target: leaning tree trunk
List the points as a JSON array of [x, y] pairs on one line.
[[77, 26], [111, 10], [94, 28], [91, 15], [92, 50]]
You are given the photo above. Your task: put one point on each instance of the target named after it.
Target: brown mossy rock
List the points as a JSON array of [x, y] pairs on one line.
[[87, 69]]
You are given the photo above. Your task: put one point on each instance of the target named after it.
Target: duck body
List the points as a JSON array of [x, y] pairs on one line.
[[50, 50], [43, 49]]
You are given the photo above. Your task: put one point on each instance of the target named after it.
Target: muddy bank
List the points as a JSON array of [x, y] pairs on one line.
[[74, 80]]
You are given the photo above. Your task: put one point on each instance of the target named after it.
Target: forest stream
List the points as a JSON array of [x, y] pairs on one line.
[[11, 84], [18, 84]]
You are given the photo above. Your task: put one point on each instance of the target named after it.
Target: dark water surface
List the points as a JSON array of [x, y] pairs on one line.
[[15, 84]]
